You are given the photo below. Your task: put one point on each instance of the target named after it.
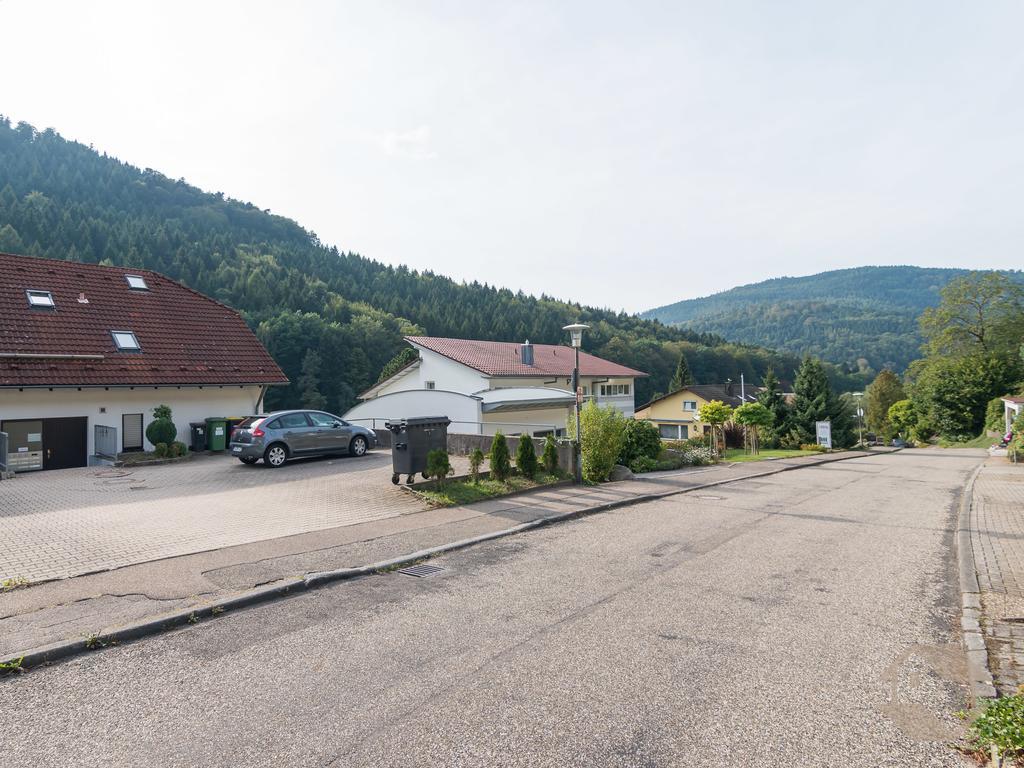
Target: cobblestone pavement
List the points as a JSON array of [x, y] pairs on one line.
[[69, 522], [997, 537]]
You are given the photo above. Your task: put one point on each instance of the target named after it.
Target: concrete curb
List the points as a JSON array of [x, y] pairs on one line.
[[64, 649], [979, 676]]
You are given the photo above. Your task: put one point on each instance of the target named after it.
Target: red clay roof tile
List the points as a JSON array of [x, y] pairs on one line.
[[502, 358], [185, 338]]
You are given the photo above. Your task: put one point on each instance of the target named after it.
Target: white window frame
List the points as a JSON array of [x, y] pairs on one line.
[[614, 390], [45, 299], [142, 286], [429, 385], [137, 347], [687, 403]]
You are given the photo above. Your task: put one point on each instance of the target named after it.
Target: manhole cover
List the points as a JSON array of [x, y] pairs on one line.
[[420, 571]]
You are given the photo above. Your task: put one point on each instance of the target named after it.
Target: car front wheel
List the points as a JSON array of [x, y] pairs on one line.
[[358, 447], [275, 455]]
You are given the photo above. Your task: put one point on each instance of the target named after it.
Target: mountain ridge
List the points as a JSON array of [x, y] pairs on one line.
[[862, 317]]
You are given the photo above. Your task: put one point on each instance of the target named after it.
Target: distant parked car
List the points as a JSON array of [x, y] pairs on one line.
[[899, 442], [283, 435]]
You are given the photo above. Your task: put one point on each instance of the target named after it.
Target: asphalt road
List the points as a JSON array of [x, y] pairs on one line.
[[805, 619]]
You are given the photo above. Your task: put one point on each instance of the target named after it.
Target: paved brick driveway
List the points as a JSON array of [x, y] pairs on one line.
[[997, 537], [69, 522]]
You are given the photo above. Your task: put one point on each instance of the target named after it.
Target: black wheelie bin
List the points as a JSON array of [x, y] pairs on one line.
[[411, 441]]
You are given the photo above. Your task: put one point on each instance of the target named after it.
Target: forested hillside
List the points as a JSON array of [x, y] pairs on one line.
[[61, 199], [867, 314]]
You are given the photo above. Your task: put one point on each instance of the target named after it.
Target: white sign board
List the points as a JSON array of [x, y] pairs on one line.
[[824, 432]]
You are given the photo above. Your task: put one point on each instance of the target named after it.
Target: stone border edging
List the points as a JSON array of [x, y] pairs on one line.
[[64, 649], [979, 676]]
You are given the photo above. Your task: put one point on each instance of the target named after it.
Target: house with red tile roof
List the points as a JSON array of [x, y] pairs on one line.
[[488, 385], [87, 352]]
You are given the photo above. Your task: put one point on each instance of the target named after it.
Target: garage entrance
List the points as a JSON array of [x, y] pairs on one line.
[[46, 443]]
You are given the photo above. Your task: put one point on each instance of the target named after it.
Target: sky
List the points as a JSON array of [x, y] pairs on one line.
[[625, 155]]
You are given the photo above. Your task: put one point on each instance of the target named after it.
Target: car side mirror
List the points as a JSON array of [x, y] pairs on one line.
[[335, 425]]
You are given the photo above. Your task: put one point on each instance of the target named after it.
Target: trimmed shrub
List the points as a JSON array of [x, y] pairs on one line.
[[550, 457], [526, 457], [732, 433], [501, 465], [161, 431], [641, 440], [814, 448], [439, 465], [176, 449], [603, 434], [160, 450], [643, 464], [476, 460]]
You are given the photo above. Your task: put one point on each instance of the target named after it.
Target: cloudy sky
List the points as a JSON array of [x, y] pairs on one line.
[[622, 154]]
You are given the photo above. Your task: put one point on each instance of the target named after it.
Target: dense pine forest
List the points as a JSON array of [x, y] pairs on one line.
[[864, 317], [62, 200]]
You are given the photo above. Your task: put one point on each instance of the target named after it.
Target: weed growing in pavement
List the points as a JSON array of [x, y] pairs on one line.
[[193, 618], [217, 610], [15, 582], [999, 729], [8, 667], [94, 641]]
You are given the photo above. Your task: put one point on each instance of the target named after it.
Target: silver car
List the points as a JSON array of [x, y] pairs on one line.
[[283, 435]]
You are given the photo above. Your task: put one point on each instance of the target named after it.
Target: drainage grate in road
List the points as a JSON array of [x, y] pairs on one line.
[[421, 571]]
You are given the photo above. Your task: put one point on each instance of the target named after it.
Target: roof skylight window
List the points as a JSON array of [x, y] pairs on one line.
[[136, 282], [126, 341], [40, 299]]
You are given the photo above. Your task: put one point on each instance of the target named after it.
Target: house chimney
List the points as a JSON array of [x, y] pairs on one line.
[[728, 387], [526, 353]]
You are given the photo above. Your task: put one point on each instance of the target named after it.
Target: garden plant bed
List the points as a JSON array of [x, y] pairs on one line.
[[147, 458], [462, 490]]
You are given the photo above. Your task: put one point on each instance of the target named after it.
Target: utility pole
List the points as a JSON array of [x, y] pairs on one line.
[[576, 336]]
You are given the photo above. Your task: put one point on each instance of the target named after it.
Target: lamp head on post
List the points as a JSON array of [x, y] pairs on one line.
[[576, 333]]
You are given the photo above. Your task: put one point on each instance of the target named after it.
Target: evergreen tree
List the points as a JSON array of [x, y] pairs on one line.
[[501, 464], [815, 401], [309, 381], [526, 456], [771, 397], [682, 377]]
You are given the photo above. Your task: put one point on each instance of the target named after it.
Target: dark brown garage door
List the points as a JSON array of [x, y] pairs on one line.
[[64, 442]]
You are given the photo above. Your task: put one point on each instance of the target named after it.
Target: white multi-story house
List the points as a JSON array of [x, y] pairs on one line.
[[483, 386]]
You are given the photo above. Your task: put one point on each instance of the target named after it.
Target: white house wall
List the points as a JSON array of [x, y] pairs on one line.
[[445, 373], [534, 420], [463, 410], [106, 407]]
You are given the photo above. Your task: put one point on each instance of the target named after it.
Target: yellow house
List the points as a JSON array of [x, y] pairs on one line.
[[675, 414]]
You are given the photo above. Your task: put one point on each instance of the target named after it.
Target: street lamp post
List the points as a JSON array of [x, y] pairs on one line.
[[576, 336], [860, 418]]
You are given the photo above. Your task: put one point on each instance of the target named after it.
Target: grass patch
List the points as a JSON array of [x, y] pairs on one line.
[[982, 441], [7, 667], [738, 454], [456, 493]]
